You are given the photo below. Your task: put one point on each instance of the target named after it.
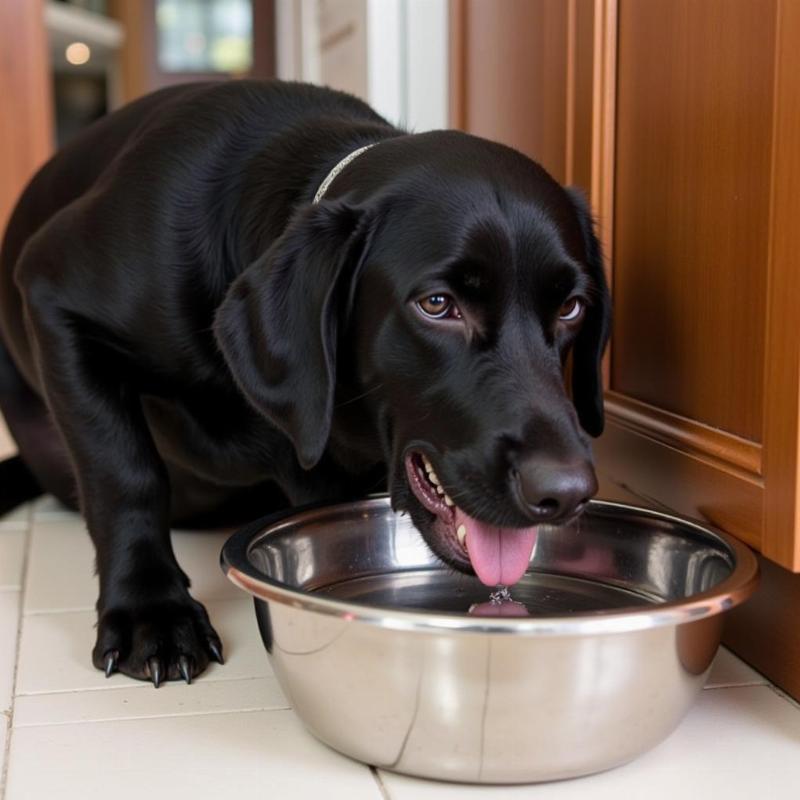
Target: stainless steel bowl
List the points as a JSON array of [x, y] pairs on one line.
[[371, 641]]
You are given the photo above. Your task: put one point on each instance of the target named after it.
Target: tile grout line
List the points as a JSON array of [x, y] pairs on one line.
[[130, 684], [37, 612], [381, 785], [770, 686], [173, 715], [221, 712], [42, 612], [784, 695], [714, 688], [10, 716]]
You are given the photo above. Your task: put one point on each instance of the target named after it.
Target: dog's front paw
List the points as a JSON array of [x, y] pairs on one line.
[[156, 642]]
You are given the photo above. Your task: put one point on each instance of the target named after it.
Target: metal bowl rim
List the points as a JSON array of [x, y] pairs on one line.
[[735, 589]]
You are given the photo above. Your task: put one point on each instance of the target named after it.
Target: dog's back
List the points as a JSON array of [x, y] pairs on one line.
[[198, 137], [184, 112]]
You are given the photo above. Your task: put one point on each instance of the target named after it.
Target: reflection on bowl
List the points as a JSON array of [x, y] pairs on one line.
[[505, 608], [597, 658]]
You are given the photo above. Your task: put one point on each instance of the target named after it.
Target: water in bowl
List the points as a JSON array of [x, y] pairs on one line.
[[442, 590]]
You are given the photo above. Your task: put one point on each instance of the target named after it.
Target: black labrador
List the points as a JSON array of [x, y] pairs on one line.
[[190, 338]]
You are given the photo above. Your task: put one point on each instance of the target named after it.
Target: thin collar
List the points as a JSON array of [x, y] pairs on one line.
[[323, 187]]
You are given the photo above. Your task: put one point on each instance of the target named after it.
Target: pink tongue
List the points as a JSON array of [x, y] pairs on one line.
[[498, 555]]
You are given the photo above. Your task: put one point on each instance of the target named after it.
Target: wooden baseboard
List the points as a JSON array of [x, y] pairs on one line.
[[688, 483], [765, 631]]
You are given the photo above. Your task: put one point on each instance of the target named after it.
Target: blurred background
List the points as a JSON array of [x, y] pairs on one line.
[[680, 119], [103, 53]]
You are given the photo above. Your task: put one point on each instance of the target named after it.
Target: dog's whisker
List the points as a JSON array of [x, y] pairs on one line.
[[359, 397], [380, 482]]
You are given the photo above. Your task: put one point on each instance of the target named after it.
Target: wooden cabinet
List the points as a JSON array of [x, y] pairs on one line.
[[681, 118], [703, 381], [26, 126], [516, 43]]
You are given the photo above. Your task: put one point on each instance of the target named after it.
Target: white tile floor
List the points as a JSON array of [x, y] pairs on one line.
[[68, 732]]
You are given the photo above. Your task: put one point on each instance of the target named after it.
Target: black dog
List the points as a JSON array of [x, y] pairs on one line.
[[190, 338]]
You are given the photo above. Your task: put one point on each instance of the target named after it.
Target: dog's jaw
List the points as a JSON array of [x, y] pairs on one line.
[[497, 555]]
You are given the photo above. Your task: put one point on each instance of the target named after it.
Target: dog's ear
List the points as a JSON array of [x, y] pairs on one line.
[[277, 326], [587, 353]]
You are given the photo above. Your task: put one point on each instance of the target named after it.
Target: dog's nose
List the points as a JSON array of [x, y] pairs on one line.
[[552, 490]]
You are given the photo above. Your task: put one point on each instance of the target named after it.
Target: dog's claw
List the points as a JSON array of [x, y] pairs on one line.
[[185, 668], [216, 651], [112, 657], [154, 665]]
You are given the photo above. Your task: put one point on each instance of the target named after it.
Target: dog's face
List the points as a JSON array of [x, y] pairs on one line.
[[450, 304]]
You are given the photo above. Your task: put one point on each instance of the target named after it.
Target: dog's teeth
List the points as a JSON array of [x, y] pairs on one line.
[[461, 532], [439, 490], [432, 477], [427, 464], [448, 501]]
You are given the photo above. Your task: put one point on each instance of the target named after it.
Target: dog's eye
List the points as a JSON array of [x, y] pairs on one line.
[[439, 306], [571, 310]]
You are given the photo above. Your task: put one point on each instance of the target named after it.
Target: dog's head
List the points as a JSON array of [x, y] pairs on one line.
[[436, 302]]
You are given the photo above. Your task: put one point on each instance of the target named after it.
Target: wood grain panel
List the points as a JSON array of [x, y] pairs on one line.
[[579, 160], [782, 372], [731, 452], [513, 59], [604, 98], [136, 52], [691, 484], [456, 57], [26, 121], [692, 188]]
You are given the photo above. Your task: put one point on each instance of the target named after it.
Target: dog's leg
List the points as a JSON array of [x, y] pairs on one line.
[[149, 626]]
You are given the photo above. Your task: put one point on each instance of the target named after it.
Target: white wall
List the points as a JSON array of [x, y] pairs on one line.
[[287, 40], [426, 64], [386, 58], [393, 53]]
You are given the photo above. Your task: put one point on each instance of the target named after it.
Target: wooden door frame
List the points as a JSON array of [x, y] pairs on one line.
[[27, 132], [457, 84], [781, 421]]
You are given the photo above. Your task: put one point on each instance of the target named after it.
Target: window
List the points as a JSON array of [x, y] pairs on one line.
[[205, 35]]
